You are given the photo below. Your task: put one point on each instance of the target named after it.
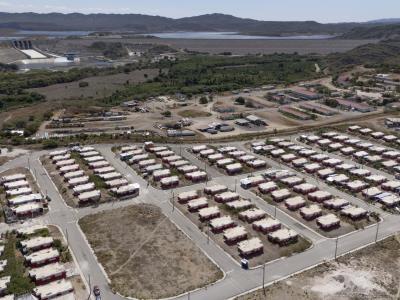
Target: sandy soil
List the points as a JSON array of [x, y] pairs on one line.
[[371, 273], [145, 255]]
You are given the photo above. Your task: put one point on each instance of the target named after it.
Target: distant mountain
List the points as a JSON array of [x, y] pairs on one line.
[[138, 23], [386, 21], [391, 31]]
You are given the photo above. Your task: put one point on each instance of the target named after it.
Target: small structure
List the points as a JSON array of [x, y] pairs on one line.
[[53, 290], [187, 196], [283, 237], [197, 204], [47, 274], [328, 222], [89, 197], [36, 244], [215, 189], [250, 247], [252, 215], [292, 181], [311, 212], [319, 196], [354, 213], [267, 187], [253, 181], [267, 225], [226, 197], [220, 224], [233, 168], [305, 188], [336, 203], [235, 235], [83, 188], [280, 195], [356, 185], [209, 213], [294, 203], [126, 190], [169, 182], [42, 257]]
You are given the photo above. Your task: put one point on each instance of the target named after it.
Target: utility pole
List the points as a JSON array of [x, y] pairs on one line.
[[173, 201], [66, 233], [235, 184], [336, 247], [377, 231], [90, 288], [263, 283], [208, 232]]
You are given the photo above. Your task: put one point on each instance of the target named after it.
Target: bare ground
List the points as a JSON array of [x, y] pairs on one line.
[[145, 255], [371, 273], [99, 86]]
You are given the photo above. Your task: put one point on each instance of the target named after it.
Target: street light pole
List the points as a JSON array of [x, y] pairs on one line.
[[336, 247], [90, 288], [377, 230], [263, 283]]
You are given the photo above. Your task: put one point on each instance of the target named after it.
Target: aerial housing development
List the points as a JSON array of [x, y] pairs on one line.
[[197, 155]]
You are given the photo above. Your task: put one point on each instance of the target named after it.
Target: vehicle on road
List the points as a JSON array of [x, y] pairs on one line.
[[96, 292]]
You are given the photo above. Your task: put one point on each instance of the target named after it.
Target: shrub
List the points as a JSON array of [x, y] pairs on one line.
[[83, 84]]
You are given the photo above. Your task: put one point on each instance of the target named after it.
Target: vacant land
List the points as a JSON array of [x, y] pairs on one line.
[[145, 255], [371, 273], [98, 87], [192, 113]]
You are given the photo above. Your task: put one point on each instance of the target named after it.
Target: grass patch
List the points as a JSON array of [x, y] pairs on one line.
[[191, 113], [19, 284]]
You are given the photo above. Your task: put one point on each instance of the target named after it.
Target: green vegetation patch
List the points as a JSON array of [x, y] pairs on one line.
[[15, 268]]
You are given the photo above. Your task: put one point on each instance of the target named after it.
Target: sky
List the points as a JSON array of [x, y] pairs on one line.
[[271, 10]]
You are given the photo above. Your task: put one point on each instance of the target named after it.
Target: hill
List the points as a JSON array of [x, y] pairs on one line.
[[384, 53], [376, 32], [146, 24]]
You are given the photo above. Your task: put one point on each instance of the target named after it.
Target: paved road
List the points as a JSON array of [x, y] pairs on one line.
[[236, 280]]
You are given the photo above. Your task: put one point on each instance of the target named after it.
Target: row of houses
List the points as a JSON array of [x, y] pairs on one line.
[[159, 163], [80, 183], [115, 182], [234, 232], [378, 135], [346, 176], [44, 266], [22, 200], [229, 158], [297, 195], [354, 148], [75, 177]]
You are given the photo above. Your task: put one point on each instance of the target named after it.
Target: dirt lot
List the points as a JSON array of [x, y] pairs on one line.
[[99, 86], [155, 260], [371, 273]]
